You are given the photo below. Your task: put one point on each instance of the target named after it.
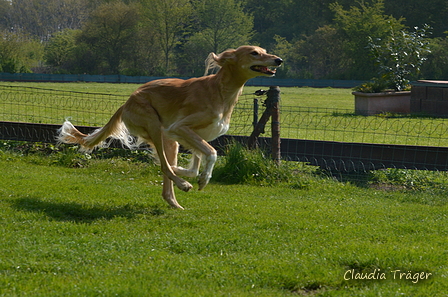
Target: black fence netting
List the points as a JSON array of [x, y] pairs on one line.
[[36, 105], [334, 139]]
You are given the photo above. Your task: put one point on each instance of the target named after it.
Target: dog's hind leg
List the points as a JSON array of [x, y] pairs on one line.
[[143, 121], [166, 168], [153, 132], [171, 148]]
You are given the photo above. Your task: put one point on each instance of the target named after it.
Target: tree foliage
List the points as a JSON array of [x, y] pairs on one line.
[[437, 64], [42, 18], [222, 24], [169, 19], [60, 49], [356, 26], [217, 26], [18, 52], [317, 39], [109, 34]]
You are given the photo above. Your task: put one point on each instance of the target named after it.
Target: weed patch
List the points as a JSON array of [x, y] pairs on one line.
[[415, 181], [243, 166]]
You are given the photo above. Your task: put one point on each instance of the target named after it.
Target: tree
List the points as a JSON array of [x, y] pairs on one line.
[[355, 26], [59, 50], [325, 53], [290, 19], [191, 56], [169, 19], [42, 18], [5, 7], [18, 52], [146, 56], [223, 24], [111, 33], [418, 13], [340, 50], [295, 66], [220, 25], [437, 65]]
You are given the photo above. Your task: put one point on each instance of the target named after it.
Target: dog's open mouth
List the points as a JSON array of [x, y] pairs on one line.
[[264, 69]]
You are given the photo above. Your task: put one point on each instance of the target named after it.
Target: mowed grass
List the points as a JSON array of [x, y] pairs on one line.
[[74, 225]]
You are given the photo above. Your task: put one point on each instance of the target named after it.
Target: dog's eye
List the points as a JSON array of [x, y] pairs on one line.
[[254, 53]]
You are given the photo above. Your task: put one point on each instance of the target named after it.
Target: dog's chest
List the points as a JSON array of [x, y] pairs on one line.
[[218, 127]]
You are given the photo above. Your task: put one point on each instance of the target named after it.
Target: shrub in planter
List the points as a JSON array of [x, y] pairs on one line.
[[399, 58], [374, 86]]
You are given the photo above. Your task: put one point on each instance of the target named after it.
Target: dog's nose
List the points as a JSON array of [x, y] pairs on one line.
[[279, 61]]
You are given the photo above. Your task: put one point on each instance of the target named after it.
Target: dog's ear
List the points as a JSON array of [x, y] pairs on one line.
[[226, 57], [211, 63], [214, 61]]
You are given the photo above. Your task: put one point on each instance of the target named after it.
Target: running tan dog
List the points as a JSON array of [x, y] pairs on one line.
[[191, 112]]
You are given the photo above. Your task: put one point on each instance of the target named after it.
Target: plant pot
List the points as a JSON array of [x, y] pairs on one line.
[[375, 103]]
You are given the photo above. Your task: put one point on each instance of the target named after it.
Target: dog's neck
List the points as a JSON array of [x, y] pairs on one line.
[[230, 82]]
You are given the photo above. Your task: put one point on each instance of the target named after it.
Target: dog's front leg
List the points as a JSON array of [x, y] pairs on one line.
[[206, 175], [192, 170]]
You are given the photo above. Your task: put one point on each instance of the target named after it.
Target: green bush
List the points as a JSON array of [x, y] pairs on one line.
[[243, 166], [401, 55], [374, 86]]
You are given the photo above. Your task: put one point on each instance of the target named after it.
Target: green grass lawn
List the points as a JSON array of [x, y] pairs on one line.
[[73, 225]]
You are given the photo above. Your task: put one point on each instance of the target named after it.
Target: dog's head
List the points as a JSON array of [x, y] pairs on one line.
[[251, 60]]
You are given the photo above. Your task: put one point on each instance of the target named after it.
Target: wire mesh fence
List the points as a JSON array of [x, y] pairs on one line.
[[345, 126], [47, 106], [325, 135]]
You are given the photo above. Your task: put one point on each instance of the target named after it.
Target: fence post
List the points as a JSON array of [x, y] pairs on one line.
[[272, 110], [274, 98], [255, 112]]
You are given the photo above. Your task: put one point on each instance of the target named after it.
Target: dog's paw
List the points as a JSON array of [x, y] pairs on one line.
[[172, 202], [184, 186], [203, 180]]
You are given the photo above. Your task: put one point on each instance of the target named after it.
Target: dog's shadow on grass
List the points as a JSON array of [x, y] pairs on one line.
[[83, 213]]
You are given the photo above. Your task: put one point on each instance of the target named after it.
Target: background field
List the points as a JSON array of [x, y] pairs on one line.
[[73, 225], [305, 97], [306, 113]]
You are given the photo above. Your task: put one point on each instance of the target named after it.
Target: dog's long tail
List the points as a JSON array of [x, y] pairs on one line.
[[115, 129]]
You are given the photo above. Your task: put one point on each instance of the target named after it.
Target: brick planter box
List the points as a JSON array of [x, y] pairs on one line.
[[375, 103], [430, 97]]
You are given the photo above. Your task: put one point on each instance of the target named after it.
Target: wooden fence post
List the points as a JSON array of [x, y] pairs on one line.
[[255, 122], [274, 98], [272, 110]]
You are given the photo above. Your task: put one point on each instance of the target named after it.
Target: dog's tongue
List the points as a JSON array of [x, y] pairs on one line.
[[268, 70], [264, 69]]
